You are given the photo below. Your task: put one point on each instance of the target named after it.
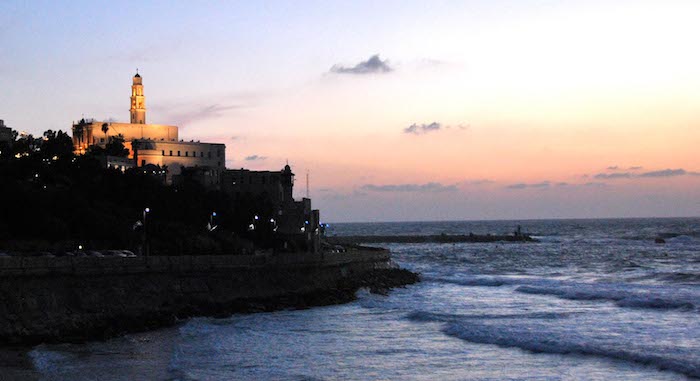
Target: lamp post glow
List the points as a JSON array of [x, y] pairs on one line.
[[211, 225], [145, 239]]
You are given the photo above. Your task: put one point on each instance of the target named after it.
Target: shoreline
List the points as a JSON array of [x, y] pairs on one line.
[[96, 300]]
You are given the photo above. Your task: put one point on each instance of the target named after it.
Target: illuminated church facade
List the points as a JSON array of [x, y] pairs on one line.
[[151, 144]]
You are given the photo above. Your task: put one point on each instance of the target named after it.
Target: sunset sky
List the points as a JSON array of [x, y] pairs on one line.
[[400, 110]]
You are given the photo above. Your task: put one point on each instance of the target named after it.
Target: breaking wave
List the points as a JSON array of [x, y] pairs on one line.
[[424, 316], [635, 297], [547, 332], [623, 294], [524, 337], [472, 281]]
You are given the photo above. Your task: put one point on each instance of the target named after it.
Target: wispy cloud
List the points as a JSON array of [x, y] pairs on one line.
[[616, 175], [427, 187], [540, 185], [418, 129], [478, 182], [423, 128], [669, 173], [373, 65], [182, 114], [544, 185], [613, 168], [255, 158], [651, 174], [635, 168], [595, 184]]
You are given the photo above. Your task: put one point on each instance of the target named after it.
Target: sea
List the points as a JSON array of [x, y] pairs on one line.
[[592, 300]]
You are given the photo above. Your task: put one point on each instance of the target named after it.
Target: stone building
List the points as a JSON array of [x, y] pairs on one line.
[[156, 144], [295, 220], [276, 185], [175, 155], [5, 133]]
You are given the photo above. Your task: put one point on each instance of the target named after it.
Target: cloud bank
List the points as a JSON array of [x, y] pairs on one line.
[[427, 187], [423, 128], [374, 65], [651, 174], [418, 129], [541, 185]]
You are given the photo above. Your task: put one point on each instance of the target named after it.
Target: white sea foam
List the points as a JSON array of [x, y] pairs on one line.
[[636, 296], [623, 294], [531, 338]]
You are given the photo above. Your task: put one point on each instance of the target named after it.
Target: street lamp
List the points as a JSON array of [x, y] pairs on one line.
[[145, 241], [211, 225]]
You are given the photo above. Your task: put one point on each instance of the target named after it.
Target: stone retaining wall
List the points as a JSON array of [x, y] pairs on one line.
[[75, 299], [31, 266]]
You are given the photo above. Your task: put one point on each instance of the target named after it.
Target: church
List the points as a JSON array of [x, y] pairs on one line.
[[152, 144]]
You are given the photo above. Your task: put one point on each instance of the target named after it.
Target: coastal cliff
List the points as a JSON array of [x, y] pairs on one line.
[[77, 299]]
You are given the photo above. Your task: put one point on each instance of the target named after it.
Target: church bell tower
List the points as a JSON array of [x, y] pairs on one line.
[[138, 101]]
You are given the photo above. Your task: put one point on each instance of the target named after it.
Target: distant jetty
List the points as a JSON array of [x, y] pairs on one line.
[[438, 238]]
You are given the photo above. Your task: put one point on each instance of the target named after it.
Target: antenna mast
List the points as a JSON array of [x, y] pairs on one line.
[[307, 184]]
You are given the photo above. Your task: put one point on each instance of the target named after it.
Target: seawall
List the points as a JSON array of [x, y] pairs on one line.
[[83, 298]]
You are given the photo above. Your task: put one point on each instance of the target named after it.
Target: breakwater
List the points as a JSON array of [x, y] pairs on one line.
[[82, 298], [437, 238]]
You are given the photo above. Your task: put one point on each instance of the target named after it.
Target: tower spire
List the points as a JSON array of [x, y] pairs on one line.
[[138, 100]]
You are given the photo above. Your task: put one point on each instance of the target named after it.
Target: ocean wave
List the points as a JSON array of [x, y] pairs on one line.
[[683, 239], [544, 341], [631, 297], [547, 238], [48, 361], [678, 277], [424, 316], [472, 281], [623, 294]]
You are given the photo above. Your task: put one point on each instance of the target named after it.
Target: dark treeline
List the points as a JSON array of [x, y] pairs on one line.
[[54, 201]]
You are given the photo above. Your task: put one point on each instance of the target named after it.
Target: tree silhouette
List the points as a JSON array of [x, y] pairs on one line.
[[105, 128], [115, 146]]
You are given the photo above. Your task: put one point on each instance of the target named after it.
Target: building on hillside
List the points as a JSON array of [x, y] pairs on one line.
[[5, 133], [295, 220], [211, 157], [276, 185], [117, 162], [156, 144], [156, 148]]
